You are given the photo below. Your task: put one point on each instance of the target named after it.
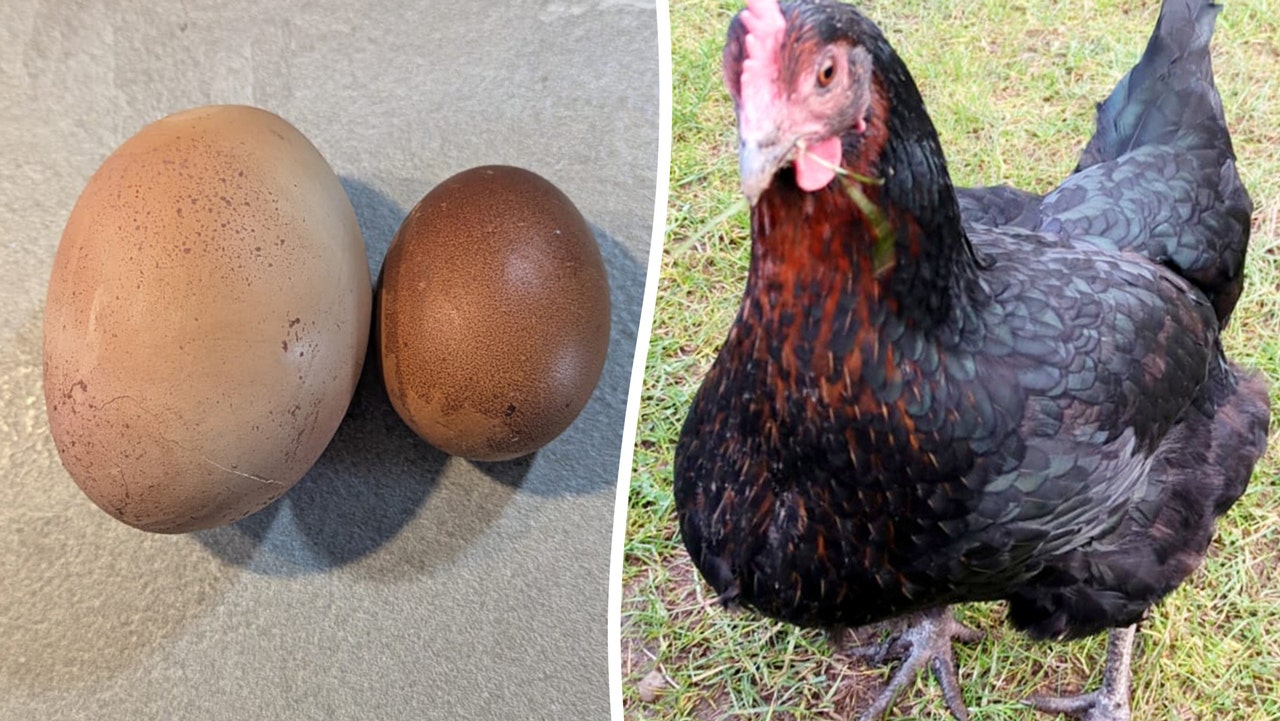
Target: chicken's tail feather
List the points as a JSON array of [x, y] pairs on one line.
[[1168, 97]]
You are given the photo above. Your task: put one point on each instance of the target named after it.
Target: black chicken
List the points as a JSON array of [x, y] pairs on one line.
[[932, 396]]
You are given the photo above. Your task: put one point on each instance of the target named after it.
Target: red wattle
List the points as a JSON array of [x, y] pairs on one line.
[[815, 165]]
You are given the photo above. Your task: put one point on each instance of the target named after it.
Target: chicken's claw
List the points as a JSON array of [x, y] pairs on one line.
[[926, 639], [1109, 703]]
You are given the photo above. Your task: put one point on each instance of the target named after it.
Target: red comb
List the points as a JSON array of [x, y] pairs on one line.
[[765, 28]]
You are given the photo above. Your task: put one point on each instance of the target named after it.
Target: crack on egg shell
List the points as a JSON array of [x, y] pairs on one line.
[[196, 454]]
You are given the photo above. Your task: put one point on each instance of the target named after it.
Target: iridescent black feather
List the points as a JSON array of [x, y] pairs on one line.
[[1031, 404]]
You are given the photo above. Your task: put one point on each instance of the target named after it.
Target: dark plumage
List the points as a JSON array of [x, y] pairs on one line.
[[929, 396], [1158, 177]]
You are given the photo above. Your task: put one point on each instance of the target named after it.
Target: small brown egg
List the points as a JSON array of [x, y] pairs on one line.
[[493, 314], [207, 318]]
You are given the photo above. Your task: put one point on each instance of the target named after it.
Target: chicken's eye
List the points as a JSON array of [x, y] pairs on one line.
[[826, 73]]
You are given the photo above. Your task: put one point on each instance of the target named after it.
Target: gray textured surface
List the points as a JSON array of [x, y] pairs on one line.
[[392, 582]]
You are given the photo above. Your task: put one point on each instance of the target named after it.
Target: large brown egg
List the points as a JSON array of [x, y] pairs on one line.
[[207, 318], [493, 314]]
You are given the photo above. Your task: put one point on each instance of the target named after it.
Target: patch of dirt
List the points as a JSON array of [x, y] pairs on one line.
[[830, 686]]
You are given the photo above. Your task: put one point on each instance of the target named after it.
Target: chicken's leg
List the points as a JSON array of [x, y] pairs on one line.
[[926, 640], [1109, 703]]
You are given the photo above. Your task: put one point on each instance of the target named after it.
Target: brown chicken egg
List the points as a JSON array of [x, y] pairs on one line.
[[207, 317], [493, 314]]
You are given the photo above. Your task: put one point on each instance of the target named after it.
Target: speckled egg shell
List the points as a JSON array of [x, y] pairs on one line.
[[493, 314], [207, 318]]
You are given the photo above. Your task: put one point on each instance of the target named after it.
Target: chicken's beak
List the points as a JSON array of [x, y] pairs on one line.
[[758, 162]]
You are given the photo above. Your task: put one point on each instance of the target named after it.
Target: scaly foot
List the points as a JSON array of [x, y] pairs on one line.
[[1109, 703], [926, 639]]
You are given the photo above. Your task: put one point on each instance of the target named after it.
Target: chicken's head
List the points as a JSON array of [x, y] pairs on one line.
[[803, 87]]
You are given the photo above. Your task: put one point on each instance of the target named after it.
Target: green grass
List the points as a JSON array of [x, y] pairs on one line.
[[1011, 88]]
